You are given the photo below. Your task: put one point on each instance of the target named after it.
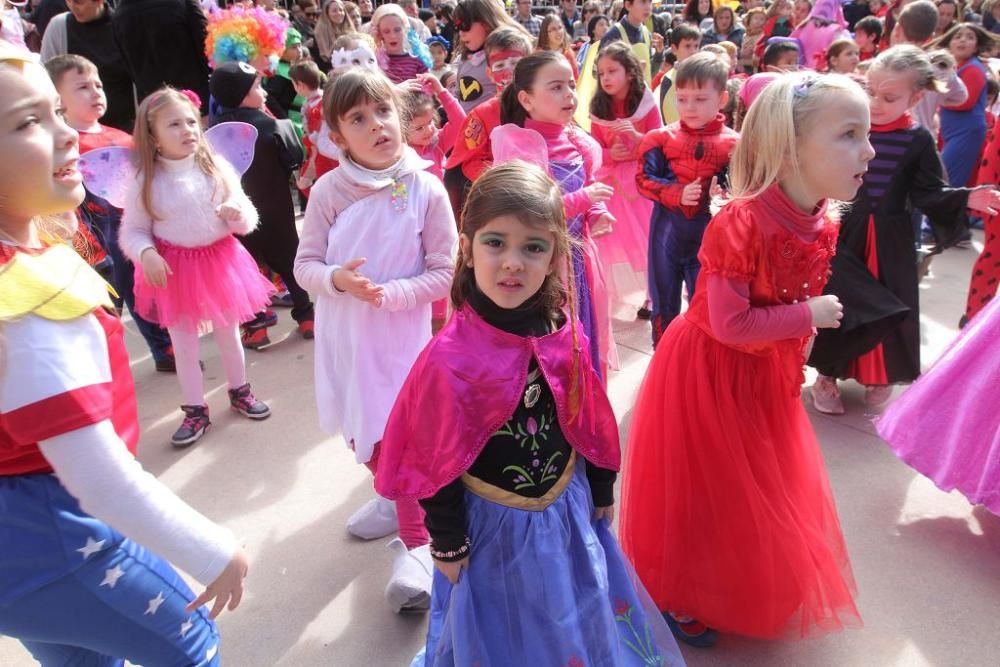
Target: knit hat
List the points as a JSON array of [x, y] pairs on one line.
[[231, 82], [293, 38]]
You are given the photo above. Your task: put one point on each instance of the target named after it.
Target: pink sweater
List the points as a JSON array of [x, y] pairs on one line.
[[185, 199], [441, 145]]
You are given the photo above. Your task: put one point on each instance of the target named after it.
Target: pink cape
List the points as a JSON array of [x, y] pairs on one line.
[[465, 385]]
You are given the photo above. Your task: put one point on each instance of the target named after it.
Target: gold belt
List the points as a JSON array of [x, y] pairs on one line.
[[495, 494]]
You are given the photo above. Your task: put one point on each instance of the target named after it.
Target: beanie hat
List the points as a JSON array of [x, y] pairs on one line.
[[231, 82], [292, 38]]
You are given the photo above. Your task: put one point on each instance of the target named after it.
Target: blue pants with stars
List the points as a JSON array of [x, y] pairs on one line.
[[75, 592]]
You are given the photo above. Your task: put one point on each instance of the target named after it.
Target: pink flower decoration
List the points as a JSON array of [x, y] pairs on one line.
[[532, 426]]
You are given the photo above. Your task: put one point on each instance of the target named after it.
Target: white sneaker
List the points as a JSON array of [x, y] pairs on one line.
[[376, 519], [409, 587]]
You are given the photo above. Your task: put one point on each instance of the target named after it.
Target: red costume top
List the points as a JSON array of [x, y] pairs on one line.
[[473, 150], [108, 136]]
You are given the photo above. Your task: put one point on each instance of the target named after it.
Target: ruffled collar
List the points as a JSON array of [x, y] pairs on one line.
[[714, 126], [783, 210], [371, 179], [176, 166]]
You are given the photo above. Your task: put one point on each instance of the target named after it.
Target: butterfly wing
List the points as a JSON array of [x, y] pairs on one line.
[[235, 142], [107, 173]]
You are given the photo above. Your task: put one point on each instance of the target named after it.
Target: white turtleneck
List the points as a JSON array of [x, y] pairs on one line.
[[184, 199]]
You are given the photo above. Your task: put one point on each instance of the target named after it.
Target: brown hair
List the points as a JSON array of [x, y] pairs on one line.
[[353, 87], [507, 39], [145, 144], [308, 74], [412, 103], [703, 68], [835, 49], [491, 13], [58, 66], [525, 72], [984, 40], [543, 35], [621, 53]]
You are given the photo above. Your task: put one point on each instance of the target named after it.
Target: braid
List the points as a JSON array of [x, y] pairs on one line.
[[574, 377]]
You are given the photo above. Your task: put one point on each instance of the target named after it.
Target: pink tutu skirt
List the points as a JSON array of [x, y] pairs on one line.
[[624, 251], [947, 426], [218, 284]]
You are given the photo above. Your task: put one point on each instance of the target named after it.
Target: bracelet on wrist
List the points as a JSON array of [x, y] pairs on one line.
[[456, 554]]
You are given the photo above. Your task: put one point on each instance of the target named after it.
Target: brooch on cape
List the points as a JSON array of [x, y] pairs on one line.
[[534, 389]]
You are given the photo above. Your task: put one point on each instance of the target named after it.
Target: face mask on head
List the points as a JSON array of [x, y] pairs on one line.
[[362, 57]]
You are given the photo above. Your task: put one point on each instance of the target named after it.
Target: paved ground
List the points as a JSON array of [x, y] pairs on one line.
[[927, 563]]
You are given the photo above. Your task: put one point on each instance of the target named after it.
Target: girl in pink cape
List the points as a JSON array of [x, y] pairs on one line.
[[514, 460], [825, 25], [622, 111]]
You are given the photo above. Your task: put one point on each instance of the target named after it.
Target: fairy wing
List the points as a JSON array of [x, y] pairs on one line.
[[107, 173], [511, 142], [235, 142]]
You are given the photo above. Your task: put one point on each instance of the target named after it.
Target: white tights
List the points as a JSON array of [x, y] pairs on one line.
[[186, 355]]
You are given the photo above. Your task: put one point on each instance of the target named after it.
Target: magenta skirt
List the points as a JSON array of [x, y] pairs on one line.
[[217, 284]]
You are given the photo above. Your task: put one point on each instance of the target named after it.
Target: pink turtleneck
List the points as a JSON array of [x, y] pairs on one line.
[[732, 317], [565, 148]]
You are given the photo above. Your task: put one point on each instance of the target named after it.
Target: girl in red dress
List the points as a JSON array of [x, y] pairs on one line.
[[727, 513]]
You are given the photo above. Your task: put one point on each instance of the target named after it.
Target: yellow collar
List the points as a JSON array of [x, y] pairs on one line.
[[54, 283]]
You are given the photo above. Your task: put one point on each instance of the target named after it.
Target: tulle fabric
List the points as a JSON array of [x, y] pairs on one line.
[[945, 426], [218, 284], [727, 513], [624, 251], [548, 588]]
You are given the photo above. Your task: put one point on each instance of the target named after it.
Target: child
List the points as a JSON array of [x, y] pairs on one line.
[[308, 81], [754, 21], [377, 244], [523, 510], [824, 25], [681, 164], [476, 20], [781, 55], [684, 41], [727, 513], [83, 103], [842, 57], [401, 55], [956, 441], [553, 37], [874, 270], [283, 100], [473, 153], [867, 33], [778, 24], [622, 112], [540, 99], [986, 270], [420, 120], [189, 269], [85, 528], [439, 48], [963, 126], [277, 153]]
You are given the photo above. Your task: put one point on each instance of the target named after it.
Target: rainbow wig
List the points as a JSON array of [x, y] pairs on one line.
[[242, 35]]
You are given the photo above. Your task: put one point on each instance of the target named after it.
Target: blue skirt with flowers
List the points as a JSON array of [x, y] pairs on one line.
[[549, 589]]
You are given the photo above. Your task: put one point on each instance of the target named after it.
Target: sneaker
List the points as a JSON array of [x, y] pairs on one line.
[[166, 365], [254, 338], [270, 318], [409, 587], [282, 300], [691, 632], [242, 400], [195, 424], [826, 396], [376, 519], [877, 396], [306, 329]]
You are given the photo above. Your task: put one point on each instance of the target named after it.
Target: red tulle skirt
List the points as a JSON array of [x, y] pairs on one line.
[[217, 284], [727, 512]]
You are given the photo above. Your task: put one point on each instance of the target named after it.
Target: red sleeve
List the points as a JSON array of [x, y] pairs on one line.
[[472, 150], [974, 81], [734, 320], [655, 178]]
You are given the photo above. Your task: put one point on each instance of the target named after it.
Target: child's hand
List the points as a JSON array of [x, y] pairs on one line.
[[827, 311], [985, 199], [620, 152], [229, 213], [605, 513], [348, 279], [657, 42], [430, 83], [227, 587], [598, 192], [691, 195], [154, 268], [303, 183], [716, 191], [603, 225], [452, 570]]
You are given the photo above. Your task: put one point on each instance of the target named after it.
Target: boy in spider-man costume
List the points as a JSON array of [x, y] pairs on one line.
[[680, 164]]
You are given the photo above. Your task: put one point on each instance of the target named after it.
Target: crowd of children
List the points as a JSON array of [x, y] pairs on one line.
[[765, 183]]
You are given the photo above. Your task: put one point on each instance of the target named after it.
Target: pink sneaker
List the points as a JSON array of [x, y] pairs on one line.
[[826, 396], [876, 396]]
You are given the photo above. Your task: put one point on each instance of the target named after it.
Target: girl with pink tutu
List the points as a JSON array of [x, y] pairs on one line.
[[622, 111], [179, 218], [955, 442]]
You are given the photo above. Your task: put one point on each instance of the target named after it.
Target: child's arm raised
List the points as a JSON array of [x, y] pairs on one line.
[[439, 238]]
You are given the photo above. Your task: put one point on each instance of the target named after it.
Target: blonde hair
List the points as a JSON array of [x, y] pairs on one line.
[[146, 150], [385, 11], [912, 60], [327, 32], [780, 114]]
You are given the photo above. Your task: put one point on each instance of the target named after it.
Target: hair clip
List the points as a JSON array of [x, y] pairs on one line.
[[191, 95], [806, 81]]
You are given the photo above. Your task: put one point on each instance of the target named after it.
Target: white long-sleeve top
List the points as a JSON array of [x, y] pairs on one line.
[[185, 199]]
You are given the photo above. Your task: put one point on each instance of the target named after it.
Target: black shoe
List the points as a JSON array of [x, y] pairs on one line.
[[962, 321], [242, 400], [643, 313], [195, 424], [691, 632], [166, 365]]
